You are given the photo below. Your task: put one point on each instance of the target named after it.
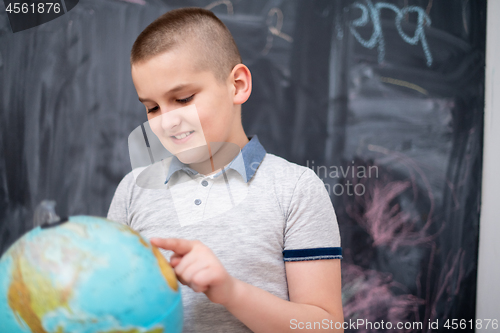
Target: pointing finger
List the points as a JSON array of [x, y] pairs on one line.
[[178, 245]]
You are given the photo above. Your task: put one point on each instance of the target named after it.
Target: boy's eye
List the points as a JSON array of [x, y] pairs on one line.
[[182, 101], [185, 100], [152, 109]]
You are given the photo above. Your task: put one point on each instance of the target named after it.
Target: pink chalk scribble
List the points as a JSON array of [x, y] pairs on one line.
[[388, 213], [372, 296], [380, 214], [446, 285]]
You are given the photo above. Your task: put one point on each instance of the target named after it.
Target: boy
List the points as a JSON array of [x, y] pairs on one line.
[[271, 261]]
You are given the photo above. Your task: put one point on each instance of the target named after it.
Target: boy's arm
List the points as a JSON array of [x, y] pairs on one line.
[[312, 256], [314, 289], [315, 300]]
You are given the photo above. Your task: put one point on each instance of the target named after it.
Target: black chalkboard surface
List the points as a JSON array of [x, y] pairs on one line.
[[382, 99]]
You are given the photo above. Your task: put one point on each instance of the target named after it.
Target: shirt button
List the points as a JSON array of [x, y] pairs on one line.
[[204, 183], [197, 202]]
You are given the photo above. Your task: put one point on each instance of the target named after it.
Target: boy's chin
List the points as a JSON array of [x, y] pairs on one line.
[[194, 155]]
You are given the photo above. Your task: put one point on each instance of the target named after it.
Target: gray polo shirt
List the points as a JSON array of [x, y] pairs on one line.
[[255, 215]]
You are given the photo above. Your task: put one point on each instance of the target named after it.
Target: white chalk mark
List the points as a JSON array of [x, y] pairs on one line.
[[228, 4], [138, 2], [464, 15]]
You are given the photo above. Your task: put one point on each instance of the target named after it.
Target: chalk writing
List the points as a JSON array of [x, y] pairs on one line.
[[369, 10], [229, 5], [275, 30], [404, 84]]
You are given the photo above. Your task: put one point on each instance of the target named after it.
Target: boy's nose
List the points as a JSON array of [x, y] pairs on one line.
[[170, 120]]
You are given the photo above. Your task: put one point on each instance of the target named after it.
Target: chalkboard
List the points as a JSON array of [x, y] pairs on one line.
[[382, 99]]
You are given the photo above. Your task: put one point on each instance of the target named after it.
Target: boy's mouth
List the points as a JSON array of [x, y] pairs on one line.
[[182, 137]]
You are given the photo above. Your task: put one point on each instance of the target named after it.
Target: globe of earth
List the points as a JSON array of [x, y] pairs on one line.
[[87, 275]]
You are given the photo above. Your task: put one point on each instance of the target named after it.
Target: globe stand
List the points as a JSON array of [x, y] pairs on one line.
[[45, 215]]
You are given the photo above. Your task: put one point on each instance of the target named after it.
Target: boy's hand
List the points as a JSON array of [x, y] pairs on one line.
[[197, 267]]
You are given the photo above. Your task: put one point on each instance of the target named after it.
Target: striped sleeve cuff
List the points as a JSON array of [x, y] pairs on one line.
[[313, 254]]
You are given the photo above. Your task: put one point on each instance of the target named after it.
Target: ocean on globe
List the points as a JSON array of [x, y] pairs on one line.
[[87, 275]]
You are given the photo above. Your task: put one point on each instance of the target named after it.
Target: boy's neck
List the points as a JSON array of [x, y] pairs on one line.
[[221, 159]]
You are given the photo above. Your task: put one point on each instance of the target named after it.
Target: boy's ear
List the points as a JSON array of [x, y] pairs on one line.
[[242, 81]]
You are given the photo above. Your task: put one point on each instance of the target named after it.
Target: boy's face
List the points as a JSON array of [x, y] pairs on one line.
[[182, 100]]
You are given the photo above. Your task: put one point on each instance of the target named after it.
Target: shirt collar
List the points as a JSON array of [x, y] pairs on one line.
[[245, 163]]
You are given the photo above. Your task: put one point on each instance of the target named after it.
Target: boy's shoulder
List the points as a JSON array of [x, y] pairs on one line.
[[279, 163], [285, 172]]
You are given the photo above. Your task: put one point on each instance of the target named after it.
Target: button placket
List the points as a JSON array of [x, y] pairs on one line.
[[203, 192]]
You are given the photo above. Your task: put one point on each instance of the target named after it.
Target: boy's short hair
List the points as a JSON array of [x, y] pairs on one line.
[[198, 27]]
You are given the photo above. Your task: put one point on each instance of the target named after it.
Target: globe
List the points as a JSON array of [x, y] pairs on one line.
[[87, 275]]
